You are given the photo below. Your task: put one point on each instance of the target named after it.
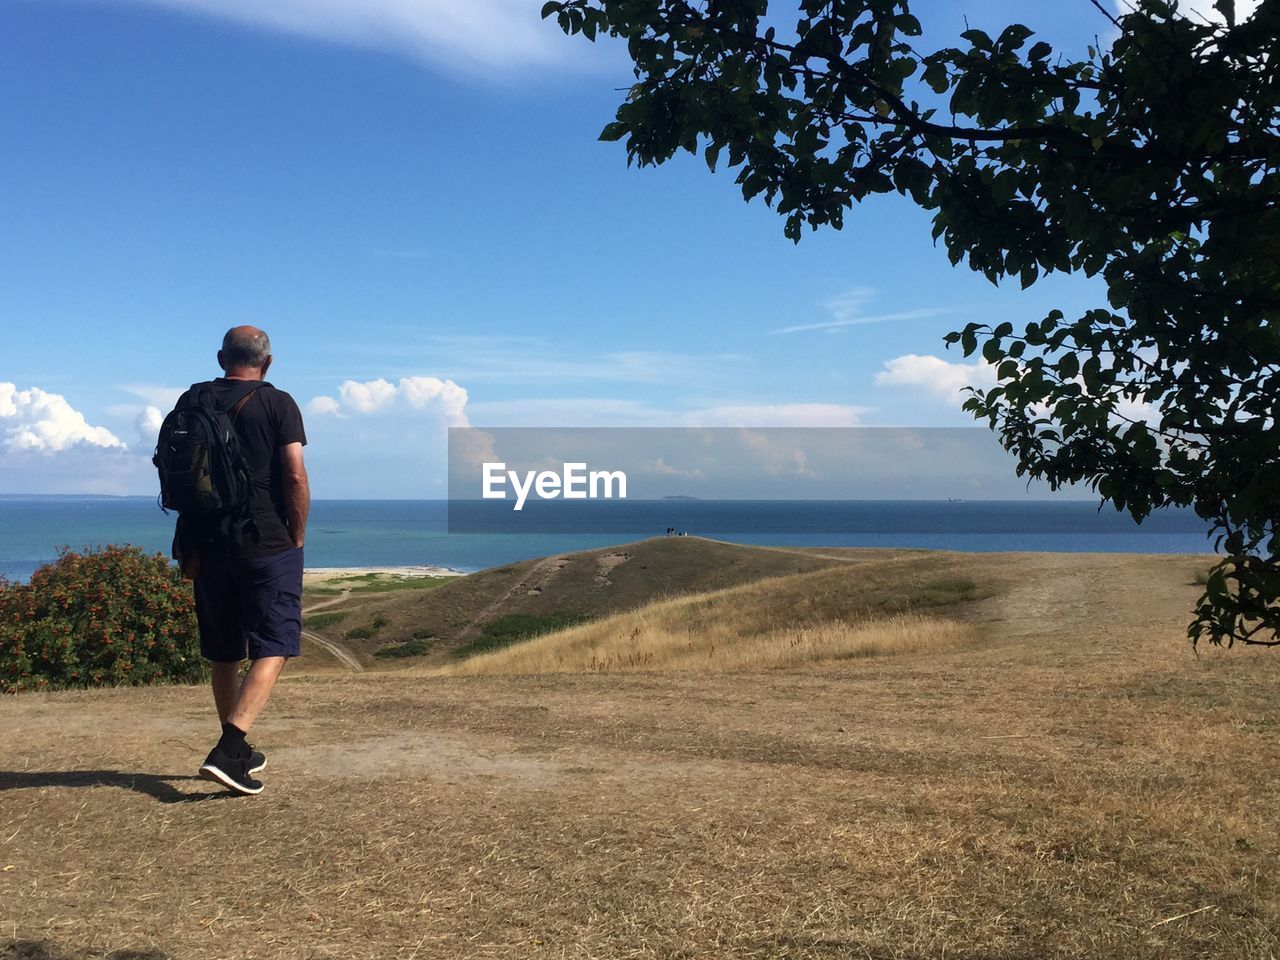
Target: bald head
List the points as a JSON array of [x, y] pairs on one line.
[[245, 349]]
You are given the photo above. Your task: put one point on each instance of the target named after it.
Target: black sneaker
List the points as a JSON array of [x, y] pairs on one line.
[[232, 772], [257, 760]]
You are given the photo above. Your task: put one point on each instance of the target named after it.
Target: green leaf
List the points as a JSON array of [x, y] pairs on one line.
[[935, 75], [907, 24], [1014, 36], [979, 39], [613, 132], [711, 155]]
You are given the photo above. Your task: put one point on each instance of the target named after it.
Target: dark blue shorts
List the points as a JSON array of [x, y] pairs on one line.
[[249, 606]]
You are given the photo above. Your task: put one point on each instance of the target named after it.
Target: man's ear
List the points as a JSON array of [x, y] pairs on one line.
[[266, 363], [220, 363]]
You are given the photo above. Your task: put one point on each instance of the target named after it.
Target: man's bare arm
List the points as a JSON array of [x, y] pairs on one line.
[[297, 491]]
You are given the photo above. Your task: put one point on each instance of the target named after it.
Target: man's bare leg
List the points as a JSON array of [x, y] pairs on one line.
[[226, 688], [254, 691]]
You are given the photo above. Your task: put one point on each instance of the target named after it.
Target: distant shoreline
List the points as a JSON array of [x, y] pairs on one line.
[[410, 538], [319, 574]]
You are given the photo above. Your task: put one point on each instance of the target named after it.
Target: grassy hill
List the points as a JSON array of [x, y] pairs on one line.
[[725, 593], [843, 610], [443, 615]]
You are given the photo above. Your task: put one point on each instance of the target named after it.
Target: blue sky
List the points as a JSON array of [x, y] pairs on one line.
[[409, 196]]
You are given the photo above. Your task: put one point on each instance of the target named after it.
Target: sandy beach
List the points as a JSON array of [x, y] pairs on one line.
[[315, 576]]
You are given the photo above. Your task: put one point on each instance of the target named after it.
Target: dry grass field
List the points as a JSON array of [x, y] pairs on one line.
[[1065, 779], [765, 624]]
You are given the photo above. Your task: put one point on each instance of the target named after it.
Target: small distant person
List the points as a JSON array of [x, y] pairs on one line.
[[248, 578]]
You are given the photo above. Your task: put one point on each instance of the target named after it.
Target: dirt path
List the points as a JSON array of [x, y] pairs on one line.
[[320, 605], [342, 653], [539, 575], [336, 649], [867, 557]]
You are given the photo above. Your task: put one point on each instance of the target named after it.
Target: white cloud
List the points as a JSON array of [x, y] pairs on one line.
[[146, 416], [411, 393], [366, 397], [39, 422], [324, 405], [777, 456], [777, 415], [475, 36], [148, 425], [80, 469], [935, 375], [385, 438], [661, 468], [537, 363], [567, 412], [943, 379], [356, 398], [611, 412], [849, 310], [529, 360], [154, 394]]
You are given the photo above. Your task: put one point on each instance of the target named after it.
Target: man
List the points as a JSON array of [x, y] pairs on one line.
[[248, 585]]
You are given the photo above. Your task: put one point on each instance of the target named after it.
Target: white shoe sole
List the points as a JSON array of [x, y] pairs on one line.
[[209, 772], [259, 768]]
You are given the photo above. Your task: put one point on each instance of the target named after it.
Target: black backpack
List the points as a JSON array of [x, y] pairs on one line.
[[203, 472]]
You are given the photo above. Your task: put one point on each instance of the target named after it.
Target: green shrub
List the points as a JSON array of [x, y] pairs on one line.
[[368, 632], [515, 627], [101, 617], [410, 648], [943, 591], [424, 634], [319, 621]]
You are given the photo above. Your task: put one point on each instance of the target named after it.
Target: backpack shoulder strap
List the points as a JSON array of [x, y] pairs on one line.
[[240, 404], [197, 395]]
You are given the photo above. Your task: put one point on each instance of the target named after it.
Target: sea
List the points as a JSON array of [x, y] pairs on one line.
[[393, 533]]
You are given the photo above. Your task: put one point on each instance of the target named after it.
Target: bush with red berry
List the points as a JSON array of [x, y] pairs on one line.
[[105, 617]]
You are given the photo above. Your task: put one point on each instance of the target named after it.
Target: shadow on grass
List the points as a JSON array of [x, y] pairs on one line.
[[157, 787], [857, 950], [44, 950]]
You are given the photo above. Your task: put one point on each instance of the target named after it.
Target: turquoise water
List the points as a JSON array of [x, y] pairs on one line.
[[357, 533]]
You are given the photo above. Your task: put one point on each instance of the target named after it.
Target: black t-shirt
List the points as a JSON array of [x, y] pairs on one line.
[[268, 420]]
